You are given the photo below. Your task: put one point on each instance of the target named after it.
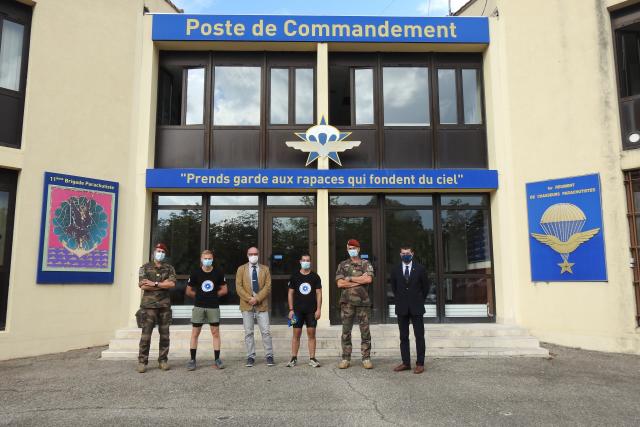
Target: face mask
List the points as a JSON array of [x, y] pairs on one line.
[[353, 252], [207, 262], [253, 259], [406, 258], [305, 265], [159, 256]]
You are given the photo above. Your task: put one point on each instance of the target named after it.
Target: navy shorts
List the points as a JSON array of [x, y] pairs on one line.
[[308, 318]]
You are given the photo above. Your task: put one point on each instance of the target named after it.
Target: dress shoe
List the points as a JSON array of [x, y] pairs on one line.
[[418, 369], [402, 367]]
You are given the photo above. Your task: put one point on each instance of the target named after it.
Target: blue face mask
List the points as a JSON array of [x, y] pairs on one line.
[[207, 262], [305, 265], [406, 258], [353, 252]]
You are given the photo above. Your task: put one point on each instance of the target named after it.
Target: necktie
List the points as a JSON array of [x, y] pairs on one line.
[[254, 280], [406, 273]]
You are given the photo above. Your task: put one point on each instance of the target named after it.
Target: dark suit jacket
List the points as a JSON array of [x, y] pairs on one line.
[[410, 294]]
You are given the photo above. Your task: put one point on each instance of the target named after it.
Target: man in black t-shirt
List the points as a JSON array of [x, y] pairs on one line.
[[206, 285], [305, 302]]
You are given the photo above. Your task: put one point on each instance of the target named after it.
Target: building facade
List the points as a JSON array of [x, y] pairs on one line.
[[454, 117]]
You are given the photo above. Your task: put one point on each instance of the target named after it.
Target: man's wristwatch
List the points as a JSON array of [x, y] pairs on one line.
[[156, 284]]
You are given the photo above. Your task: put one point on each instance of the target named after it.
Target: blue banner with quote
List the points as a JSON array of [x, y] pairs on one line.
[[286, 28], [566, 236], [444, 179]]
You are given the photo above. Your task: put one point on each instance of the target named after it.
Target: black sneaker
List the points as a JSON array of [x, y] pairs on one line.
[[292, 362], [270, 361], [313, 362], [250, 362]]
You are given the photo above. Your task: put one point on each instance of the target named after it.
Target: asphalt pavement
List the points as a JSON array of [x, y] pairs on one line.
[[575, 387]]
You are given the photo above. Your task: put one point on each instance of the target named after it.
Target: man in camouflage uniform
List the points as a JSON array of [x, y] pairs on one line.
[[353, 276], [155, 279]]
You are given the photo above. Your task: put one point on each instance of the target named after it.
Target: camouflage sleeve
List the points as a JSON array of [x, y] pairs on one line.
[[369, 269], [141, 275], [340, 272], [172, 274]]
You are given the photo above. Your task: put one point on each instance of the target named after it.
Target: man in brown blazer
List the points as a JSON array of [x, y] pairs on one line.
[[253, 286]]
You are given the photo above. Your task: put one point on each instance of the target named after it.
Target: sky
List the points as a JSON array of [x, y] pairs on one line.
[[321, 7]]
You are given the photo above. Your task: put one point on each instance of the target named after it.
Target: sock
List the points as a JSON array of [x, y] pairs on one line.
[[217, 354], [193, 353], [294, 357]]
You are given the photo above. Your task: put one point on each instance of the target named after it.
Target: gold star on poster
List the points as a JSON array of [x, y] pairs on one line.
[[566, 267]]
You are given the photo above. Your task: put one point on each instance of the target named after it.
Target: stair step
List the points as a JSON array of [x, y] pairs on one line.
[[458, 340]]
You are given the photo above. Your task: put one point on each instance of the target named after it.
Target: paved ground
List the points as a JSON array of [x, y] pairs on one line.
[[574, 388]]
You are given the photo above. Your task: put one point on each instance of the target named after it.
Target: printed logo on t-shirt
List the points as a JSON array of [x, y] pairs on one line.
[[305, 288], [207, 286]]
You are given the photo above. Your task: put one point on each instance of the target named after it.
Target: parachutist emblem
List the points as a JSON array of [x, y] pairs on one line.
[[563, 224]]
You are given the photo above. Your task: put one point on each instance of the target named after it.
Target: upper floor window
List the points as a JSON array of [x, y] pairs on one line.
[[626, 25], [291, 96], [406, 96], [15, 19], [236, 96]]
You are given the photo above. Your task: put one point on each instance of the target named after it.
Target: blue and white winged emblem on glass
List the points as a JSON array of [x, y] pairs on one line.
[[322, 140]]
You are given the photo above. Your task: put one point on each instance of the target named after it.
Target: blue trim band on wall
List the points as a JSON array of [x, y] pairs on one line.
[[437, 179], [279, 28]]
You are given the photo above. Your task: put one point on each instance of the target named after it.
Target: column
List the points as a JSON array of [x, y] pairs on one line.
[[322, 201]]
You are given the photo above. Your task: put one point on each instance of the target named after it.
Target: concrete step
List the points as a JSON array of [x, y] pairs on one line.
[[459, 340]]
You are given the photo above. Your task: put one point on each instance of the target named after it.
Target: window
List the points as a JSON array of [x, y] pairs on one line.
[[236, 96], [406, 96], [342, 94], [15, 20], [471, 97], [195, 96], [447, 100], [281, 95], [8, 181], [364, 96], [11, 42], [626, 26]]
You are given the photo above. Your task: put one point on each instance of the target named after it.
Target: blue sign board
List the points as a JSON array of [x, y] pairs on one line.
[[285, 28], [444, 179], [566, 235]]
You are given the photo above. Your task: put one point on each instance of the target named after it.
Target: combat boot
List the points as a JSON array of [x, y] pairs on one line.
[[142, 368], [164, 365], [366, 364], [344, 364]]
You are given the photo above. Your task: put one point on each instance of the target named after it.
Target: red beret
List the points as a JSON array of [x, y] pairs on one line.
[[162, 246], [353, 242]]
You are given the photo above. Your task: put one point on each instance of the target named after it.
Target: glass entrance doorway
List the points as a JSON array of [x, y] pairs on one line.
[[289, 236], [281, 226], [450, 235]]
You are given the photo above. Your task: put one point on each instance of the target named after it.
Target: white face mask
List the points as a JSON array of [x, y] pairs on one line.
[[353, 252], [253, 259], [305, 265], [159, 256]]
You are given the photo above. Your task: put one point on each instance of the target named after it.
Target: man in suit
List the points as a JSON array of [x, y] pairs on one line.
[[409, 285], [253, 286]]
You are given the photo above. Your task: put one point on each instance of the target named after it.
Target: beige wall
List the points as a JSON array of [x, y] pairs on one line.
[[552, 112], [79, 119]]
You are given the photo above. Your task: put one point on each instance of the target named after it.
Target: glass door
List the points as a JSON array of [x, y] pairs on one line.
[[289, 236], [8, 180], [361, 225]]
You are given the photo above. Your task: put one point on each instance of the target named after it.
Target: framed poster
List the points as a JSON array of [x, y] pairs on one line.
[[78, 230], [566, 235]]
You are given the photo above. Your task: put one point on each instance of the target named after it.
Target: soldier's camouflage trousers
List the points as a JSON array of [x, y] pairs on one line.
[[349, 313], [153, 317]]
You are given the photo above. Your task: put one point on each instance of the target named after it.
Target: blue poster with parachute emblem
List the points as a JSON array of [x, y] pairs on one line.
[[566, 235]]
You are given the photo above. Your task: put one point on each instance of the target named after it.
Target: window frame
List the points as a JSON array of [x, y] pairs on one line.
[[22, 15]]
